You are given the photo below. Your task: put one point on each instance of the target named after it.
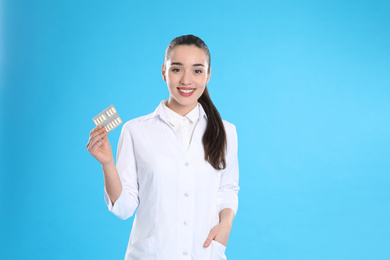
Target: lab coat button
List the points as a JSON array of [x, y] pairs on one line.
[[185, 223], [186, 194], [185, 253], [187, 164]]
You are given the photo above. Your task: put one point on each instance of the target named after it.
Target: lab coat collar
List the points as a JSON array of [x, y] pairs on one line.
[[174, 118], [160, 112], [194, 114]]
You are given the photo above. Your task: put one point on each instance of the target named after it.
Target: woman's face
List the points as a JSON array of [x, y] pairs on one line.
[[186, 73]]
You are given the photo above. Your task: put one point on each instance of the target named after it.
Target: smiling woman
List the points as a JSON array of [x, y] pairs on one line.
[[177, 166], [186, 72]]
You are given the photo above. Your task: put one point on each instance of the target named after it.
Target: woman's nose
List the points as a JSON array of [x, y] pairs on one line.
[[186, 78]]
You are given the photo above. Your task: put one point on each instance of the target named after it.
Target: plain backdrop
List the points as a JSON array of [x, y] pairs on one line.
[[307, 84]]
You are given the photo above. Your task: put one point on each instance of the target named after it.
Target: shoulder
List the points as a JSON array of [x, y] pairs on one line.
[[139, 122], [231, 134], [146, 120], [229, 128]]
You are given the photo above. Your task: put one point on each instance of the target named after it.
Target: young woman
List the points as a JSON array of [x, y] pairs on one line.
[[177, 166]]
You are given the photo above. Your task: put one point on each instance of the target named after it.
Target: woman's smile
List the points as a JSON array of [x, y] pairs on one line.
[[186, 92]]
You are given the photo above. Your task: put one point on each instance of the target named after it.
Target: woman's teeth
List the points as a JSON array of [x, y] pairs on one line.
[[186, 90]]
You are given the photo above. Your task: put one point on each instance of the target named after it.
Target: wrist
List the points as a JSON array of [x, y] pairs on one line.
[[109, 164], [226, 217], [226, 223]]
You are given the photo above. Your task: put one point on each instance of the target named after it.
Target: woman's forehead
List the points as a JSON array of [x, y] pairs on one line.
[[188, 54]]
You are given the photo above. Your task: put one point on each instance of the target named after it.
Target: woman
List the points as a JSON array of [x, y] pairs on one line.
[[177, 166]]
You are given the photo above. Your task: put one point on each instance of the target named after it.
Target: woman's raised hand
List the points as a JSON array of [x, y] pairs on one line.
[[99, 146]]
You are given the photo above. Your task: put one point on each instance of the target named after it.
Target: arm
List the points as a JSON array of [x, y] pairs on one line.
[[112, 182], [99, 147], [226, 217], [227, 199], [121, 180]]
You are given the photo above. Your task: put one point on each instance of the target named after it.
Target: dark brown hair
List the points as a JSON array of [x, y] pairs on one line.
[[214, 138]]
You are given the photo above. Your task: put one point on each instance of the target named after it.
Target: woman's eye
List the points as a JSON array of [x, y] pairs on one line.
[[198, 71], [176, 70]]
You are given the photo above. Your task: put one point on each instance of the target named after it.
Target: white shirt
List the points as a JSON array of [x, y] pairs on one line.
[[177, 193], [183, 125]]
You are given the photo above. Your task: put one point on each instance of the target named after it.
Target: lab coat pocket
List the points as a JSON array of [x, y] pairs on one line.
[[217, 251], [142, 250]]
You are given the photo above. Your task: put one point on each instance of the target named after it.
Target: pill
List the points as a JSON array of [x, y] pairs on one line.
[[105, 120]]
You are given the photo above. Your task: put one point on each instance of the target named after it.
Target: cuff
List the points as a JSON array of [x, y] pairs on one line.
[[228, 199]]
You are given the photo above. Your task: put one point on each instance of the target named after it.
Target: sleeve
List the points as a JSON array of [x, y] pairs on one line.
[[128, 201], [227, 196]]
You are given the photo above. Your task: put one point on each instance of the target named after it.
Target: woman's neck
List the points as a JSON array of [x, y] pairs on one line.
[[179, 108]]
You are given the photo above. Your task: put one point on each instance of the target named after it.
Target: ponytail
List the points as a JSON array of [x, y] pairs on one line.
[[214, 138]]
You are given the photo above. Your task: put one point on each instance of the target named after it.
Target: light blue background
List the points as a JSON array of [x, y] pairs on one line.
[[307, 83]]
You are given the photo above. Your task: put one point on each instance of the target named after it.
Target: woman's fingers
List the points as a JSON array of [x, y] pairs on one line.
[[219, 233], [96, 142], [211, 236], [95, 137], [99, 146], [93, 133], [95, 145], [96, 131], [99, 127]]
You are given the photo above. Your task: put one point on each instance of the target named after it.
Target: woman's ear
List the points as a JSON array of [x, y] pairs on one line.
[[163, 73], [208, 76]]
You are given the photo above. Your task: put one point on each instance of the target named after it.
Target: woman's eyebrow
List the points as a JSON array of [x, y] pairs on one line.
[[181, 64]]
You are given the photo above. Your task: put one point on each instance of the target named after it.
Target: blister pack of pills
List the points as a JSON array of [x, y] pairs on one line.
[[108, 119]]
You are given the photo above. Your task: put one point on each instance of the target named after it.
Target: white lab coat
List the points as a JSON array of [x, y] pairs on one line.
[[177, 193]]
